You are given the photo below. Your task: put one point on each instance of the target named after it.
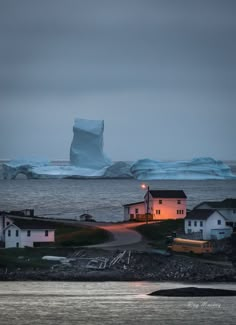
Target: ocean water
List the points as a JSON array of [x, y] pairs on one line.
[[102, 198], [95, 303]]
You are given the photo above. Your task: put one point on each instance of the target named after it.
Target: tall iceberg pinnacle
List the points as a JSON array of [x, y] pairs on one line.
[[86, 149]]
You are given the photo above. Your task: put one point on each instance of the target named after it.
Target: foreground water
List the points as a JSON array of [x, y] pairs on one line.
[[95, 303]]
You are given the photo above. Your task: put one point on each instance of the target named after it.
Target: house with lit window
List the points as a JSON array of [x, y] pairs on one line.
[[211, 224], [22, 232], [158, 205], [226, 207]]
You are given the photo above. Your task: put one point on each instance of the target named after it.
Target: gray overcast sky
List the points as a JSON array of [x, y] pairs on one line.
[[160, 73]]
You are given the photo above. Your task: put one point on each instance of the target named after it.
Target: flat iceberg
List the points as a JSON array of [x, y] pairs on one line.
[[86, 149], [119, 169], [22, 166], [195, 169]]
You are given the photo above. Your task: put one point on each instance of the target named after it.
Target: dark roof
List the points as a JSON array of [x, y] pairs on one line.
[[171, 194], [225, 204], [33, 224], [126, 205], [200, 214]]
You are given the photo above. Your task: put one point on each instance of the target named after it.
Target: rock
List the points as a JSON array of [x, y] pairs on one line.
[[193, 292]]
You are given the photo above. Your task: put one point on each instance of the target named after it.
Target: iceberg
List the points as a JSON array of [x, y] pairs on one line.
[[11, 169], [195, 169], [87, 160], [86, 149], [119, 169]]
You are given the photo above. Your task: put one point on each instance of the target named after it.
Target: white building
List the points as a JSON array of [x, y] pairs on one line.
[[211, 223], [21, 232], [226, 207], [158, 205], [134, 211]]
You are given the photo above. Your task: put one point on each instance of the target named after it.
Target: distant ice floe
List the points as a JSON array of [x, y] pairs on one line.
[[87, 160]]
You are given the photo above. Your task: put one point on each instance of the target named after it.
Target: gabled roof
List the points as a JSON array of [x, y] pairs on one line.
[[171, 194], [225, 204], [127, 205], [201, 214], [32, 224]]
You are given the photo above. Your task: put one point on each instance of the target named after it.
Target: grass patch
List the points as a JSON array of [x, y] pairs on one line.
[[29, 258], [157, 232], [82, 236]]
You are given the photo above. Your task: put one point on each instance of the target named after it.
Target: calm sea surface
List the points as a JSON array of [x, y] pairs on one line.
[[101, 198], [67, 303]]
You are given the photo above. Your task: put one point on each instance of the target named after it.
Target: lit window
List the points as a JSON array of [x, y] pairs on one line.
[[160, 201], [219, 222], [46, 233], [28, 233]]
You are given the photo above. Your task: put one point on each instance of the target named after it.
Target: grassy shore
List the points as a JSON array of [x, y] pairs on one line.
[[69, 235], [67, 238]]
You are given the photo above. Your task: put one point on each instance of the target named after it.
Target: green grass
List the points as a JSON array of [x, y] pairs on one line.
[[81, 236], [28, 258], [157, 232]]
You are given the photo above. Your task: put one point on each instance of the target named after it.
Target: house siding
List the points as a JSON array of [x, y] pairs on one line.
[[168, 208], [208, 225], [130, 212], [24, 240]]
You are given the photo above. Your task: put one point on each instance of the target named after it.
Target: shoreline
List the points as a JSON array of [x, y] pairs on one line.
[[131, 266]]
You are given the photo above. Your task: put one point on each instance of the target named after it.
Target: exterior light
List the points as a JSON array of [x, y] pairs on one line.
[[145, 186]]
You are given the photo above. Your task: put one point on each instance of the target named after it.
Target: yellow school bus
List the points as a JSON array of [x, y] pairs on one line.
[[191, 246]]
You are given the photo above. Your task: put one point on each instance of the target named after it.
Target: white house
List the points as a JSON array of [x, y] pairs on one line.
[[159, 205], [211, 223], [134, 211], [226, 207], [21, 232]]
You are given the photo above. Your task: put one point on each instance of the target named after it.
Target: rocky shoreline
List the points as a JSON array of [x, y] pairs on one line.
[[126, 266]]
